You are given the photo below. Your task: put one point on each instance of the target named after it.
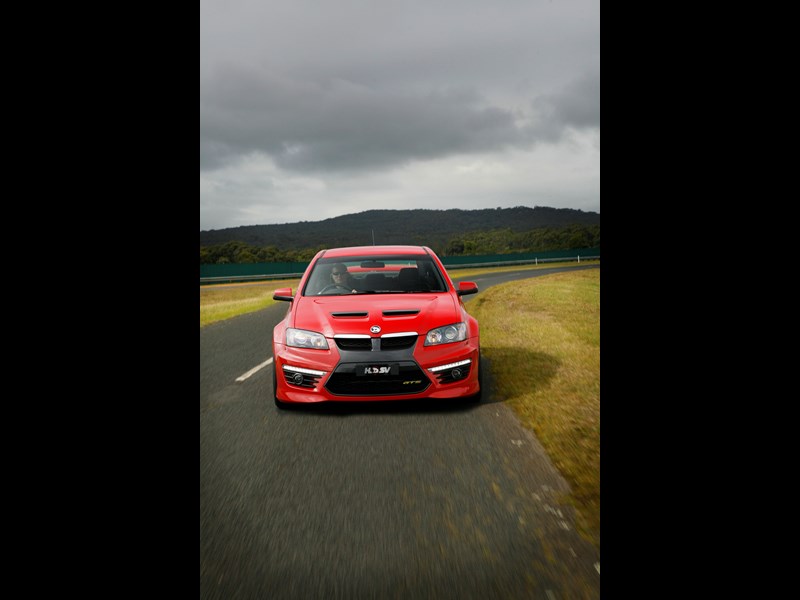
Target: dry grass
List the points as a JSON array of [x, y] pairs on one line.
[[219, 302], [542, 340]]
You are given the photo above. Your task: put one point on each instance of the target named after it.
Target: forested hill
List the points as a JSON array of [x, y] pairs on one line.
[[426, 227]]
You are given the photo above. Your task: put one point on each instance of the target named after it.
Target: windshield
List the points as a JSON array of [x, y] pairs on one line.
[[374, 275]]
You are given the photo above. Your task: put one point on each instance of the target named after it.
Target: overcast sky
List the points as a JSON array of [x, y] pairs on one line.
[[311, 109]]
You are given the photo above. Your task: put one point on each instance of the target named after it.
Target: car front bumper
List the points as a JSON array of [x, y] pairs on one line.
[[335, 375]]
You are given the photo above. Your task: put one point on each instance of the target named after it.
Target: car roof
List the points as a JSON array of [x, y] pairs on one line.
[[374, 251]]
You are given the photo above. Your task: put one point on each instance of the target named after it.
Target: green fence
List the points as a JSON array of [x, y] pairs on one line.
[[288, 270], [270, 269]]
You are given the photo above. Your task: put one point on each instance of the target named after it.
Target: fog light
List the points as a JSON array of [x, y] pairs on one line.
[[297, 378], [455, 373]]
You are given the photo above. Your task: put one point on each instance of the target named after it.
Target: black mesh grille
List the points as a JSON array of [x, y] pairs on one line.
[[398, 343], [354, 343], [409, 380]]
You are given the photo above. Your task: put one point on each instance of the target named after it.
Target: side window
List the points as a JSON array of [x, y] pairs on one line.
[[430, 276], [320, 277]]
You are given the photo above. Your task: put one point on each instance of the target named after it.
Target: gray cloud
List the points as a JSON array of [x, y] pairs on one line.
[[577, 105], [357, 89], [336, 124]]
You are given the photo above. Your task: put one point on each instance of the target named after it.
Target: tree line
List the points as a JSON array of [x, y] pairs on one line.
[[425, 227], [506, 241], [472, 243]]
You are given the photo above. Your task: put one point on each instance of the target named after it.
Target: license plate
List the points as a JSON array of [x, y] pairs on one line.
[[380, 370]]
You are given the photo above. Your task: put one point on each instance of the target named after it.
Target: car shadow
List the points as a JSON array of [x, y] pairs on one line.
[[382, 407], [523, 371], [497, 362]]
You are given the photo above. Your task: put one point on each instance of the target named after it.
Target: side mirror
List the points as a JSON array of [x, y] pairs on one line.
[[467, 287], [283, 294]]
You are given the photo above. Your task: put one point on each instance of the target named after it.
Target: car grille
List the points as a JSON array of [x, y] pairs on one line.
[[409, 380], [398, 343], [354, 343], [386, 343]]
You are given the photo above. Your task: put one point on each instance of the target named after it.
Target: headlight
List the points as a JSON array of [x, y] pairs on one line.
[[300, 338], [457, 332]]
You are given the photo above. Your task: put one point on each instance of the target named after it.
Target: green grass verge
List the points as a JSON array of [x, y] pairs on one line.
[[223, 301], [542, 340]]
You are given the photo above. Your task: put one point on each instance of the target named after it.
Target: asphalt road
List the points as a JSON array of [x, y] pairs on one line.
[[401, 500]]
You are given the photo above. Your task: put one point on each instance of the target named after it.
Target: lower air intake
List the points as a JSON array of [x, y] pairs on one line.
[[408, 379]]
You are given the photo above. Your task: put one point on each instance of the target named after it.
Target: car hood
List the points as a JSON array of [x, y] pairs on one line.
[[394, 313]]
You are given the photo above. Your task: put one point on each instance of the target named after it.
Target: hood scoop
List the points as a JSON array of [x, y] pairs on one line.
[[345, 315], [400, 313]]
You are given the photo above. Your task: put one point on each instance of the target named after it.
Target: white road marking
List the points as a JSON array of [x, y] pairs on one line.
[[255, 369]]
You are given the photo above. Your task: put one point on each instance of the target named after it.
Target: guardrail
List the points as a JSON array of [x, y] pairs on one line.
[[506, 263]]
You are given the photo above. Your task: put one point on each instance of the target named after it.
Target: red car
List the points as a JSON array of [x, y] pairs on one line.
[[376, 323]]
